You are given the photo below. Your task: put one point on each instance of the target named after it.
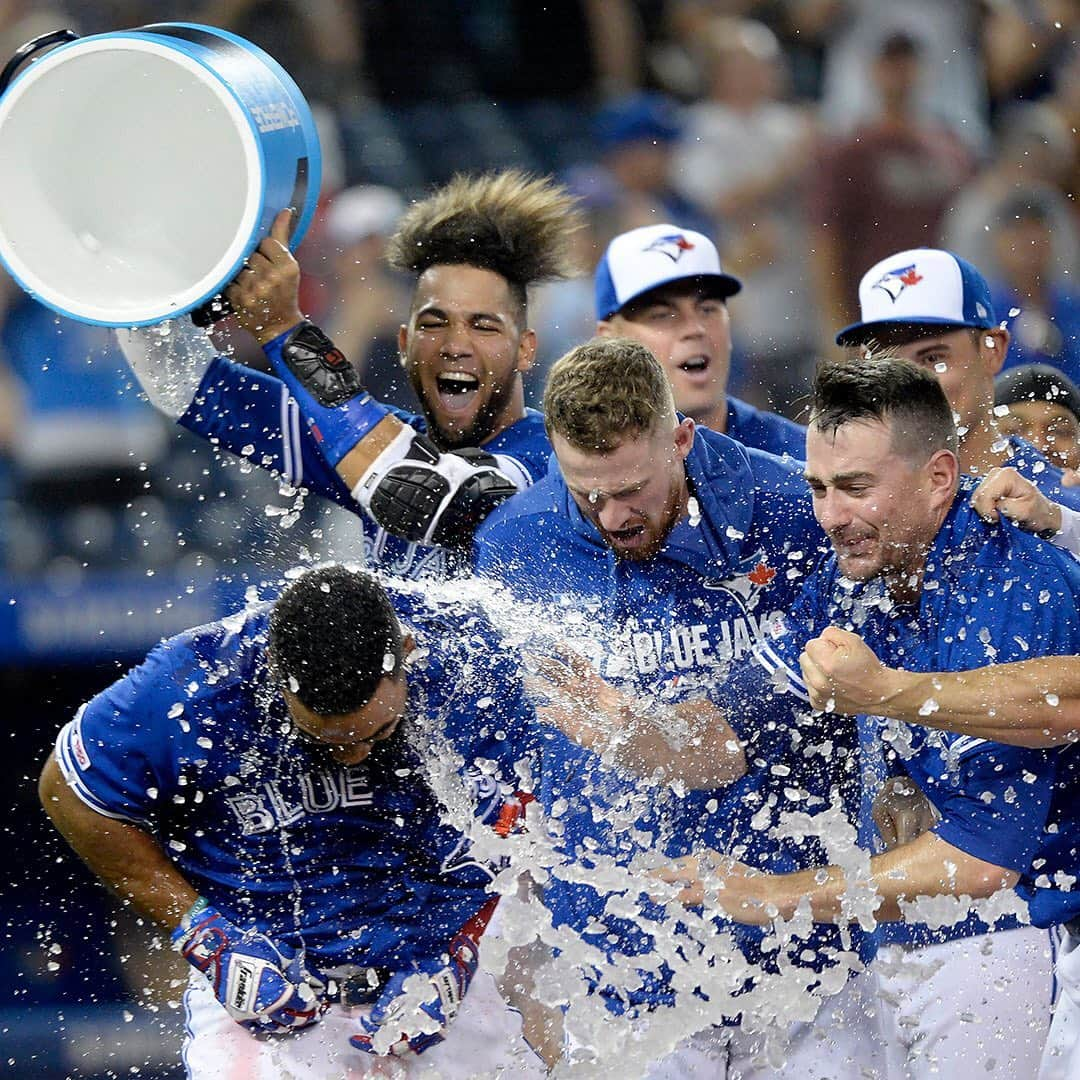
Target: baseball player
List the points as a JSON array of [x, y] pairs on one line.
[[263, 789], [1029, 703], [934, 308], [663, 287], [684, 549], [1041, 405], [474, 247], [933, 587]]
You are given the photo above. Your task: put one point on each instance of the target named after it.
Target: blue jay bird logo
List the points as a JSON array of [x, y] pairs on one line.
[[894, 282], [672, 245]]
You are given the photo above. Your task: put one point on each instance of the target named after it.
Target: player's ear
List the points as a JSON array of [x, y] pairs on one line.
[[684, 437], [605, 329], [994, 344], [403, 344], [943, 473], [526, 351]]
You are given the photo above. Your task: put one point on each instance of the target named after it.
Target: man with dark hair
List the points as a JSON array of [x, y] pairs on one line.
[[932, 587], [663, 286], [474, 248], [268, 790], [685, 549], [934, 308], [1042, 405]]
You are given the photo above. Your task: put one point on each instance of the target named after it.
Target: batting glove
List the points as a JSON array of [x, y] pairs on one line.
[[414, 1011], [263, 986]]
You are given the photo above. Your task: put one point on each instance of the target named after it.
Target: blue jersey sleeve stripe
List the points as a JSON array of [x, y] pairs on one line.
[[294, 438], [291, 455], [71, 773], [966, 744], [514, 470], [771, 662]]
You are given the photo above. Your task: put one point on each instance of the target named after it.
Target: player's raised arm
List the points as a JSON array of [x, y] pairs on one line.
[[396, 474], [1033, 703]]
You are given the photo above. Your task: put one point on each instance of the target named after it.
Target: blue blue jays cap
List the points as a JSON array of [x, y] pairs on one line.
[[638, 261], [924, 286], [637, 118]]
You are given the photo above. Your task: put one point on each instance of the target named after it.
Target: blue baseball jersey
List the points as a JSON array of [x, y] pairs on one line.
[[765, 430], [678, 626], [1037, 467], [350, 862], [991, 594], [251, 414]]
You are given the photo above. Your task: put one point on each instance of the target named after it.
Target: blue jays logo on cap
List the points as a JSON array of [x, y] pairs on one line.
[[920, 287], [625, 272], [672, 246], [894, 282]]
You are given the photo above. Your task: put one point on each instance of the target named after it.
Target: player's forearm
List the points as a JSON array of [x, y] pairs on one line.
[[693, 745], [123, 857], [353, 467], [711, 755], [1032, 703], [928, 866]]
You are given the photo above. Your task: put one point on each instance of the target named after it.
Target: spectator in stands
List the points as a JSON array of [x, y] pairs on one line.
[[884, 188], [1034, 151], [743, 157], [371, 301], [1042, 405], [637, 136], [1042, 304], [949, 87]]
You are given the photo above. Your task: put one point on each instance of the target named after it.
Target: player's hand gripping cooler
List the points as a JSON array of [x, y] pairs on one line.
[[263, 986], [418, 1006]]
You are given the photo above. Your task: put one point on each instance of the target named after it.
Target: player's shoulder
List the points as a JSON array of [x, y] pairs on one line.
[[526, 440], [212, 656], [522, 512], [1043, 473], [763, 430]]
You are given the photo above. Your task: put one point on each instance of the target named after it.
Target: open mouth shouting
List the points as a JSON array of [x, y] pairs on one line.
[[696, 367], [457, 390], [629, 537]]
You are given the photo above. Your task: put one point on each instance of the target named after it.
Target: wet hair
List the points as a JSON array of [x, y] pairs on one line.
[[333, 635], [890, 390], [1037, 382], [606, 391], [518, 226]]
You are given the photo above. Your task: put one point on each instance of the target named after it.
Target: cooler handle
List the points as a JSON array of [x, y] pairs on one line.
[[24, 52]]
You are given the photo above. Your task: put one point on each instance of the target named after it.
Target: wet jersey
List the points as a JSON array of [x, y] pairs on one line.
[[765, 430], [1038, 468], [677, 626], [252, 415], [991, 594], [351, 862]]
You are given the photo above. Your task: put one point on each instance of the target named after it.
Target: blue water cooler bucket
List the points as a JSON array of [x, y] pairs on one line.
[[139, 169]]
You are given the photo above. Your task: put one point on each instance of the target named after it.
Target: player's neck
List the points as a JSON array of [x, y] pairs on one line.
[[512, 411], [716, 418], [905, 584], [982, 448]]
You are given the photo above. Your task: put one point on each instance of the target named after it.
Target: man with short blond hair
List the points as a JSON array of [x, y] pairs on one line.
[[685, 548]]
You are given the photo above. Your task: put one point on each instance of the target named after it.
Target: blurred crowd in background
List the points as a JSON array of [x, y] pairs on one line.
[[808, 138]]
